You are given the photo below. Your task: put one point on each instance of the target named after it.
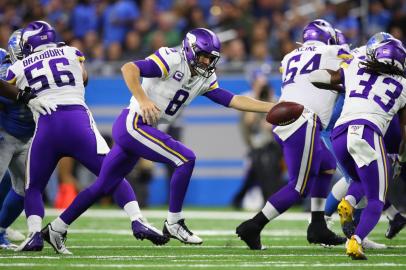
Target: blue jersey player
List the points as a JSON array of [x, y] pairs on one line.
[[17, 127]]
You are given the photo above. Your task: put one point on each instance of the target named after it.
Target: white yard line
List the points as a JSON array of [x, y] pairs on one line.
[[185, 256], [240, 265], [204, 214]]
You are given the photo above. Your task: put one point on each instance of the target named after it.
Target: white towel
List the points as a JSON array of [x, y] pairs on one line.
[[102, 147], [284, 132], [362, 153]]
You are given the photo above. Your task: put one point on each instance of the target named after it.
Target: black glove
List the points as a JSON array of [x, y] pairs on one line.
[[24, 96]]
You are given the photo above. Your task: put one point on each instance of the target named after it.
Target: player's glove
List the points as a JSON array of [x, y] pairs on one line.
[[24, 96], [41, 105]]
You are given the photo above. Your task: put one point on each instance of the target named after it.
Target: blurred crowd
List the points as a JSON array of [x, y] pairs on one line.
[[261, 31]]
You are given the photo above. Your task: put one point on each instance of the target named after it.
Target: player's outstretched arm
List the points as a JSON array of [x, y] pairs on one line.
[[248, 104], [131, 75], [327, 79]]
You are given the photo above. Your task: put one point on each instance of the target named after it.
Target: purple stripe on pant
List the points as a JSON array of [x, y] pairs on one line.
[[66, 132], [304, 168], [125, 154], [373, 178]]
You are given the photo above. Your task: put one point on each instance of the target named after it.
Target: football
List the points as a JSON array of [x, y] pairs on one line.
[[284, 113]]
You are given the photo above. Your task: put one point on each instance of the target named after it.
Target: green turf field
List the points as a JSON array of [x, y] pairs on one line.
[[102, 240]]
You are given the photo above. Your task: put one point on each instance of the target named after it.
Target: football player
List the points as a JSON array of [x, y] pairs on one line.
[[17, 129], [171, 80], [310, 164], [58, 74], [374, 94], [392, 141]]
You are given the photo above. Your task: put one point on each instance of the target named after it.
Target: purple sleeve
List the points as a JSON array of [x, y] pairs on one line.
[[148, 68], [220, 96]]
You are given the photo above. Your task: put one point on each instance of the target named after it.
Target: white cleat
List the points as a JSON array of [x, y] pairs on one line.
[[14, 235], [369, 244], [55, 239], [180, 231]]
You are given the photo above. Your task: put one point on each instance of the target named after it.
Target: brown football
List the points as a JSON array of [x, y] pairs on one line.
[[284, 113]]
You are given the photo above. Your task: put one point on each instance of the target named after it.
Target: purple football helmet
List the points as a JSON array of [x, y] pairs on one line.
[[36, 36], [341, 40], [320, 30], [390, 51], [201, 42]]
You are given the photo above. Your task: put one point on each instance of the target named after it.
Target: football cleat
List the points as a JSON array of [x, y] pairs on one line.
[[33, 242], [354, 248], [319, 233], [369, 244], [142, 230], [5, 243], [250, 233], [395, 226], [180, 231], [14, 235], [55, 239], [345, 211]]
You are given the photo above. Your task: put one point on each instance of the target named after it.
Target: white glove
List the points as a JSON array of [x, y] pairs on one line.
[[42, 105]]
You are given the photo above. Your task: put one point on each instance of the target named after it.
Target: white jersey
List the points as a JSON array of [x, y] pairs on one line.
[[176, 88], [369, 96], [297, 65], [54, 73], [359, 52]]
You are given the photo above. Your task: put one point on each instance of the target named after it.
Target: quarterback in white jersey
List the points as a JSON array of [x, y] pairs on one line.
[[176, 86], [374, 94], [171, 80]]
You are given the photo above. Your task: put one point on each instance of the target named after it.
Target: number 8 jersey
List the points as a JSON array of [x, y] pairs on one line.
[[54, 72], [175, 88], [296, 87], [370, 96]]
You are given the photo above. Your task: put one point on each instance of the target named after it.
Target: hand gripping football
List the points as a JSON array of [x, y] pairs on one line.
[[284, 113]]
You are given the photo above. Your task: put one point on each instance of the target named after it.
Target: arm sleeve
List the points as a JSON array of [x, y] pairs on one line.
[[220, 96], [11, 78], [148, 68]]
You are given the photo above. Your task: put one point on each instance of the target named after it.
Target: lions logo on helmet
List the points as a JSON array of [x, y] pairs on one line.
[[201, 42], [13, 46], [375, 40], [390, 51], [38, 35]]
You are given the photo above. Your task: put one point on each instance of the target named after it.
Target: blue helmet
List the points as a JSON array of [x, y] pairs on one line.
[[3, 54], [13, 46], [36, 36], [375, 40], [320, 30], [201, 41], [3, 64], [390, 51]]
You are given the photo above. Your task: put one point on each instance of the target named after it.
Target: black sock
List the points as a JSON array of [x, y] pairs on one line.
[[260, 219], [318, 217]]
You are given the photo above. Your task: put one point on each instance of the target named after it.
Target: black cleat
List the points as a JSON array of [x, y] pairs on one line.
[[250, 233], [395, 226], [318, 233]]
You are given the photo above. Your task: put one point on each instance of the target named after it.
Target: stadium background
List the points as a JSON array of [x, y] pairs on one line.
[[255, 35]]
